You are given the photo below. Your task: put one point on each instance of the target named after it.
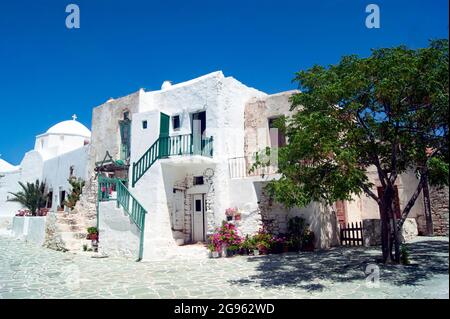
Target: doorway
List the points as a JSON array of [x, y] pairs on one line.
[[198, 131], [198, 218], [164, 140]]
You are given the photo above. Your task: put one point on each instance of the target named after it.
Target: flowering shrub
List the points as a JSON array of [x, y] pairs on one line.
[[231, 211], [43, 212], [24, 212], [227, 235]]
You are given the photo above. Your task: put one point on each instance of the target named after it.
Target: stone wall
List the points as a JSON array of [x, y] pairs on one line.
[[257, 113], [439, 209], [184, 185]]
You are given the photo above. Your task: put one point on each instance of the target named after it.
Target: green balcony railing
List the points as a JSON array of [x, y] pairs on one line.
[[106, 188], [166, 146]]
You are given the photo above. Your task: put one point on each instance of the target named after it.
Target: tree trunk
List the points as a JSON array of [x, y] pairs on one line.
[[385, 234], [389, 236], [395, 237], [427, 206]]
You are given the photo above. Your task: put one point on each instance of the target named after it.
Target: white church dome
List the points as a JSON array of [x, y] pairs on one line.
[[71, 127]]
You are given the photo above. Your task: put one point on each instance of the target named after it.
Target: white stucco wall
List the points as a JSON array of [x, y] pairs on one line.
[[223, 99], [247, 195], [52, 145], [56, 171], [364, 207], [9, 183], [30, 229], [118, 235]]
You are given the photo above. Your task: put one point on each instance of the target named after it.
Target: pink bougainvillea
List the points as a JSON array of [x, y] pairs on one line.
[[226, 235]]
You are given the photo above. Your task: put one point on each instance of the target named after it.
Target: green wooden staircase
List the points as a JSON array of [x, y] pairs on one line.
[[166, 146], [124, 199]]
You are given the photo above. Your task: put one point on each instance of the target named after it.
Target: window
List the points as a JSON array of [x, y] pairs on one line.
[[198, 205], [144, 125], [198, 180], [176, 122], [277, 137]]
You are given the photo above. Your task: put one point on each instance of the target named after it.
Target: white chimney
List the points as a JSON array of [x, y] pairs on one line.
[[166, 85]]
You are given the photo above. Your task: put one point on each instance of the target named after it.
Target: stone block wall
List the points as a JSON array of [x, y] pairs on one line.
[[184, 185], [439, 209]]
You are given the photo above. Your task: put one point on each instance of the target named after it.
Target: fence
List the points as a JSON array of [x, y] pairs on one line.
[[352, 234]]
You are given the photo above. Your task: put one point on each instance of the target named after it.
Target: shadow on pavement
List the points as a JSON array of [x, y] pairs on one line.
[[312, 270]]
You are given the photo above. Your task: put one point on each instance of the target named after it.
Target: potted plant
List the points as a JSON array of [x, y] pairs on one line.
[[263, 248], [211, 249], [232, 250], [224, 237], [246, 246], [237, 216], [278, 244], [308, 241], [92, 233], [296, 229], [229, 213]]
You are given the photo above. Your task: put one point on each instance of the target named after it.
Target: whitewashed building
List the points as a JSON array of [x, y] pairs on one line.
[[161, 168], [59, 153]]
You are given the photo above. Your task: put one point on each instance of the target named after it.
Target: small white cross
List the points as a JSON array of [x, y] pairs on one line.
[[74, 117]]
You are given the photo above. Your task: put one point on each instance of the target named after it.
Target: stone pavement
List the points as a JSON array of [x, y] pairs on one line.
[[27, 271]]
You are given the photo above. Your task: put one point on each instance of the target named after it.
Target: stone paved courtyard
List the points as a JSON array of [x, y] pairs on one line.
[[27, 271]]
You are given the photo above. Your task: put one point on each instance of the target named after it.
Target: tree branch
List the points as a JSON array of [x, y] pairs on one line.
[[369, 192], [411, 202]]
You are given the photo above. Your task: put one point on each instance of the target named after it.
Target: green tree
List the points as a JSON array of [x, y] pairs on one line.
[[77, 189], [387, 112], [33, 196]]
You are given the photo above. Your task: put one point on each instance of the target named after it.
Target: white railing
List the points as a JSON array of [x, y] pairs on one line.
[[241, 167]]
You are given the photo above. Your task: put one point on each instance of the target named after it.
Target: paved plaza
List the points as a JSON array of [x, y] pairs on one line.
[[27, 271]]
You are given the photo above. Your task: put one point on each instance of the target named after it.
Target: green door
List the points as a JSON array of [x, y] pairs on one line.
[[164, 140], [125, 142]]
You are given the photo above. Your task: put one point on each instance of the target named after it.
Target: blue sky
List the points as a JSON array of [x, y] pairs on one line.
[[48, 72]]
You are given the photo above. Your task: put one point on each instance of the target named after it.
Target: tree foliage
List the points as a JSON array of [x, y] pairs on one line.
[[77, 189], [386, 114], [33, 196]]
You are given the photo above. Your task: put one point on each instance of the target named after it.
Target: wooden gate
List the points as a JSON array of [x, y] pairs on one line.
[[352, 234]]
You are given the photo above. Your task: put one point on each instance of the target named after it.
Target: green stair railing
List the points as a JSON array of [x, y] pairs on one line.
[[166, 146], [125, 200]]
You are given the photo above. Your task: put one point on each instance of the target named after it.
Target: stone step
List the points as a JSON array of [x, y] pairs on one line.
[[70, 228], [67, 221]]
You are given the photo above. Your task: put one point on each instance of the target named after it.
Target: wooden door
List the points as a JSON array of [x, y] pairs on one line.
[[198, 219], [164, 136]]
